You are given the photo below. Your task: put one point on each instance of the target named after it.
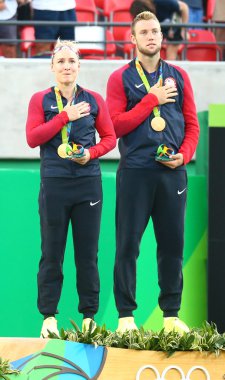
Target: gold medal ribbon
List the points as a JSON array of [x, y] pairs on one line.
[[144, 79], [66, 129]]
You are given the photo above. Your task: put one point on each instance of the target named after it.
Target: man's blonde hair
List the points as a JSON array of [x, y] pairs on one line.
[[65, 44], [146, 15]]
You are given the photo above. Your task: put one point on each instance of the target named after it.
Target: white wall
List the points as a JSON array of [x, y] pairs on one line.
[[20, 78]]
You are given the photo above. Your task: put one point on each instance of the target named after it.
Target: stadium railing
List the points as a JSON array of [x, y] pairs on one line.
[[98, 35]]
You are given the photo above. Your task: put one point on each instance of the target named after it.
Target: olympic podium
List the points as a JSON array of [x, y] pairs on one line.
[[126, 364]]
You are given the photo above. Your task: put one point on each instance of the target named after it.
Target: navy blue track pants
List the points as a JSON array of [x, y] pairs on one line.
[[161, 195], [61, 201]]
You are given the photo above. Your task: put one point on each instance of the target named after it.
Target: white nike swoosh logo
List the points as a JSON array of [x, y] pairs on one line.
[[54, 107], [139, 85], [180, 192], [94, 203]]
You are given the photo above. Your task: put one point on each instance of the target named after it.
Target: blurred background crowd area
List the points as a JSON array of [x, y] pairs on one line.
[[193, 30]]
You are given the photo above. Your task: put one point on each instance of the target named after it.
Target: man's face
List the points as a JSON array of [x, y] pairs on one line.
[[148, 37]]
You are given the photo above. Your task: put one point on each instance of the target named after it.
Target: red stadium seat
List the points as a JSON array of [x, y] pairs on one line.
[[163, 51], [86, 10], [210, 7], [100, 5], [100, 57], [206, 53], [27, 34], [128, 47], [111, 6], [121, 15], [201, 46], [122, 33], [117, 12]]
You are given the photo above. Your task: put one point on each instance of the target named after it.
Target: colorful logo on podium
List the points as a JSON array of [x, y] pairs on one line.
[[75, 361]]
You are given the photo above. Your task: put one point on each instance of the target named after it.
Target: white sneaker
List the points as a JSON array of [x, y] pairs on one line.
[[175, 324], [86, 324], [126, 324], [49, 325]]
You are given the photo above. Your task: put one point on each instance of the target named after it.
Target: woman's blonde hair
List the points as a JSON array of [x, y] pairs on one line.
[[146, 15], [65, 44]]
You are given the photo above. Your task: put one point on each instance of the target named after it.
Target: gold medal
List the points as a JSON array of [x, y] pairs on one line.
[[158, 124], [64, 150]]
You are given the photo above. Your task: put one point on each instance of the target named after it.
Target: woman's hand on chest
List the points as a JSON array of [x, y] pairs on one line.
[[76, 111]]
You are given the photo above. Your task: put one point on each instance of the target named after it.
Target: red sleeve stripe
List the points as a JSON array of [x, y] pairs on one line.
[[104, 127], [192, 130]]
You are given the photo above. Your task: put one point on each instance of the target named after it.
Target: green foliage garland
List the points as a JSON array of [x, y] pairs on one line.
[[5, 369], [206, 338], [202, 339]]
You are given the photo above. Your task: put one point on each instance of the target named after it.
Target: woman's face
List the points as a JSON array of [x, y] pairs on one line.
[[65, 65]]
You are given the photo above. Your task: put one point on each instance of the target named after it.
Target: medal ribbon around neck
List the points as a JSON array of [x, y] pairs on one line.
[[157, 123], [66, 149], [66, 129]]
